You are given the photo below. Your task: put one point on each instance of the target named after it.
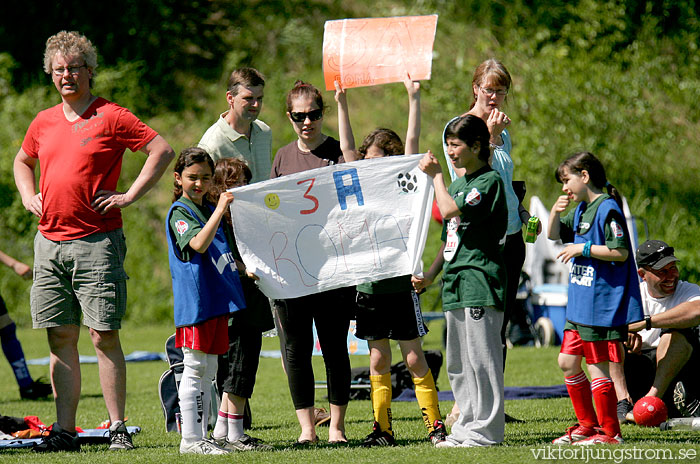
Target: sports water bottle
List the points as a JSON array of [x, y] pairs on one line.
[[681, 423]]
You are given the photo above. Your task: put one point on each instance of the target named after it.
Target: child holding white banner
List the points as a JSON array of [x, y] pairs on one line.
[[473, 293], [390, 309], [238, 369], [205, 292]]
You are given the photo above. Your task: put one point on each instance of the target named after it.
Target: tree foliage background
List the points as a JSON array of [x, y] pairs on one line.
[[619, 78]]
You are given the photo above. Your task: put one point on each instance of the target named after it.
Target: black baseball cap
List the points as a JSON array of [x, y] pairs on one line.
[[655, 254]]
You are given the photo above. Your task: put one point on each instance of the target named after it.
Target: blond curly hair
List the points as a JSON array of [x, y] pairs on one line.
[[70, 44]]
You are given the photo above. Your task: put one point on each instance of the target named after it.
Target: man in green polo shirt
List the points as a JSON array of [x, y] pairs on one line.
[[238, 133]]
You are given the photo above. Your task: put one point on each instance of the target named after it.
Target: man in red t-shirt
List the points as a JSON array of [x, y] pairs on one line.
[[79, 249]]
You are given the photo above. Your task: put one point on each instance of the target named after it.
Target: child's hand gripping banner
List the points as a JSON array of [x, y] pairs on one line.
[[335, 226], [372, 51]]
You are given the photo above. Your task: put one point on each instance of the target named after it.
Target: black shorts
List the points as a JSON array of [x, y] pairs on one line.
[[242, 359], [640, 370], [389, 315], [692, 335]]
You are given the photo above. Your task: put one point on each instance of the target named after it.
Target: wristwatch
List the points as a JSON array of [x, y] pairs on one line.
[[647, 320]]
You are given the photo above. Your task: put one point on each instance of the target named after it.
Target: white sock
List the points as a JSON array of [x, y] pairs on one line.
[[235, 427], [209, 375], [190, 395], [221, 427]]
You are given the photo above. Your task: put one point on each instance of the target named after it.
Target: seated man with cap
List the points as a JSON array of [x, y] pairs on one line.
[[661, 362]]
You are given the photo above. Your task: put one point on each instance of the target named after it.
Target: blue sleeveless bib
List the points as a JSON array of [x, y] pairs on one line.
[[207, 285], [602, 293]]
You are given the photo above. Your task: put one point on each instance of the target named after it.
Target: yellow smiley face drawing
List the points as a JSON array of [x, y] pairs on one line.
[[272, 201]]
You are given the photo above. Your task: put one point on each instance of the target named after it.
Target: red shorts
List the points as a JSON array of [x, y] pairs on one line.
[[210, 337], [594, 352]]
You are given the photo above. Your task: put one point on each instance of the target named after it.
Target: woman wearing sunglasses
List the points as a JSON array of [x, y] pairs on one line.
[[312, 149], [330, 310]]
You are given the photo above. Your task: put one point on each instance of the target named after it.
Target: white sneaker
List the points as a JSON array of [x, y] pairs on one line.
[[204, 446], [119, 437], [601, 439], [470, 444], [446, 444], [574, 434], [451, 444]]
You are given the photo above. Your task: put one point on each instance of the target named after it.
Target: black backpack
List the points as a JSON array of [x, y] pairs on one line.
[[169, 383]]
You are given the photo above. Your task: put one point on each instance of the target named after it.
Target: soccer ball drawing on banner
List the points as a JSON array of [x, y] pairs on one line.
[[408, 182], [650, 411]]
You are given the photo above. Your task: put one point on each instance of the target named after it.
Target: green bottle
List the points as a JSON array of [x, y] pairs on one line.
[[531, 231]]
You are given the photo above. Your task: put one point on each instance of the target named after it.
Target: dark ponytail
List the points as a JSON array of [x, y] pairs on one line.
[[586, 161]]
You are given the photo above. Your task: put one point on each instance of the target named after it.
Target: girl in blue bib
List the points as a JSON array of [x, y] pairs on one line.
[[603, 294], [206, 289]]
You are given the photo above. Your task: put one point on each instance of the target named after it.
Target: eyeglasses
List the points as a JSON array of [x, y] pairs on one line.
[[74, 70], [314, 115], [490, 91]]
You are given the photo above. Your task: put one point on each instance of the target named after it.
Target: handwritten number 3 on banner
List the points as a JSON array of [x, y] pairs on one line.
[[309, 197]]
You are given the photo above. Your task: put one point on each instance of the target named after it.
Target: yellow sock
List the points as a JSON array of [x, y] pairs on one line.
[[381, 400], [427, 397]]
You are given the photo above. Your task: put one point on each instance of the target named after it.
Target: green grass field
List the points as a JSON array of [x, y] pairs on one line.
[[274, 420]]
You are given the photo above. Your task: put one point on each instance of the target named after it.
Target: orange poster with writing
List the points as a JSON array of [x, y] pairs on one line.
[[371, 51]]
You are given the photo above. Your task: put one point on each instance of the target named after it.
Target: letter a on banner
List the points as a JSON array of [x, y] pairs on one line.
[[344, 191]]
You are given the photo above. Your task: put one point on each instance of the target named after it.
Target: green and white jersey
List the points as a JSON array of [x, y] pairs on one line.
[[474, 271]]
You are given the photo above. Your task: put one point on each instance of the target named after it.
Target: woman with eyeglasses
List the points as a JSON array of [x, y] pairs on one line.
[[330, 309], [490, 86]]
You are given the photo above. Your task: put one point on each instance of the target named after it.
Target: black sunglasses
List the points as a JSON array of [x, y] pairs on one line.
[[314, 115]]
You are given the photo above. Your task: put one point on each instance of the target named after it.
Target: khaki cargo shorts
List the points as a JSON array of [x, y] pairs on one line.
[[82, 277]]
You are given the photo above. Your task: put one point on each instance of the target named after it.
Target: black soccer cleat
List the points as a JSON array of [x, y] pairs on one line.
[[378, 438], [439, 433], [58, 440]]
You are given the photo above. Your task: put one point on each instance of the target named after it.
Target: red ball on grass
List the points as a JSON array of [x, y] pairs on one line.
[[650, 411]]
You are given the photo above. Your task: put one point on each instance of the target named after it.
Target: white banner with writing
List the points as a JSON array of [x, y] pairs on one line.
[[335, 226]]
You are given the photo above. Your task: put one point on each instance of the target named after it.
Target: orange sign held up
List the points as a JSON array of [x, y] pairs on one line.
[[371, 51]]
